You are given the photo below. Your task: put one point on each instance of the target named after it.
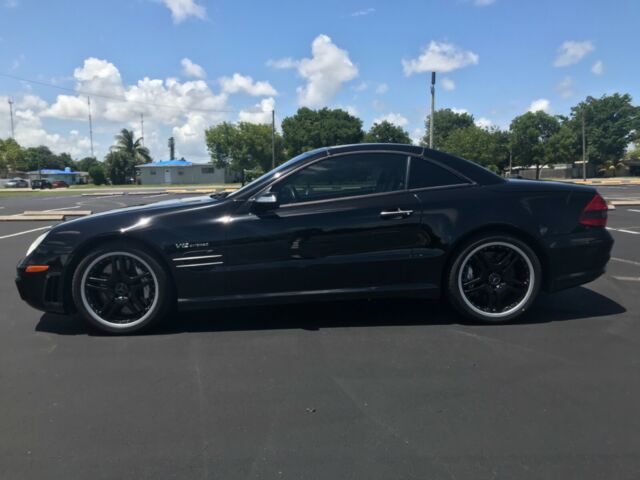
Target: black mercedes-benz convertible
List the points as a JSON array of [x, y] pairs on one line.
[[358, 221]]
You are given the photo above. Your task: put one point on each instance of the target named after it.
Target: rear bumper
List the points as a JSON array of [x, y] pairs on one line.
[[576, 259]]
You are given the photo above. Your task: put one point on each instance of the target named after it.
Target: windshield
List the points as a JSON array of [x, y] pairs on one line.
[[275, 173]]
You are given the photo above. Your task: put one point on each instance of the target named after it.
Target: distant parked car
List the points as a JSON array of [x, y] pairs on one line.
[[40, 184], [17, 183], [59, 184]]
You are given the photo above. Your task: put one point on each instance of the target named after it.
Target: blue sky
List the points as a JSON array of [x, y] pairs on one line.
[[187, 64]]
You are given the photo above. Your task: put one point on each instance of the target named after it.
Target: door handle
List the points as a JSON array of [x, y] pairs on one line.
[[387, 215]]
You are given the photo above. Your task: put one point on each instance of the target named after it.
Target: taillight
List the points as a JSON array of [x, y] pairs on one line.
[[595, 213]]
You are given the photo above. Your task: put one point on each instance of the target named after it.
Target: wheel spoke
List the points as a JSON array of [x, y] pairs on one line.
[[111, 308], [98, 283], [496, 278], [115, 288]]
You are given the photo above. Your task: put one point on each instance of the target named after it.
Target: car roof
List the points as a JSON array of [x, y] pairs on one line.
[[471, 170]]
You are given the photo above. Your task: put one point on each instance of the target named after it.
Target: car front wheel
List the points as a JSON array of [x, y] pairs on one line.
[[120, 289], [494, 279]]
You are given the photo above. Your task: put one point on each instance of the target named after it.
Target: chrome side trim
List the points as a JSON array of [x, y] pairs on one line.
[[180, 259], [192, 265]]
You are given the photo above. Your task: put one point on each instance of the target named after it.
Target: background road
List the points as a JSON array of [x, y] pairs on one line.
[[388, 390]]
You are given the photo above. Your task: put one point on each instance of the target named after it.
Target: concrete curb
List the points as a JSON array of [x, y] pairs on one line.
[[31, 218]]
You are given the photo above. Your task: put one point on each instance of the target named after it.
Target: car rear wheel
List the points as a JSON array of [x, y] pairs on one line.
[[494, 279], [120, 289]]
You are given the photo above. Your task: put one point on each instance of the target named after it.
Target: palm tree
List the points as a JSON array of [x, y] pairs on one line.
[[126, 143]]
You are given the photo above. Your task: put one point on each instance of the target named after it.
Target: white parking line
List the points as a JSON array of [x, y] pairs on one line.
[[624, 260], [627, 279], [61, 208], [633, 210], [623, 230], [158, 195], [25, 232]]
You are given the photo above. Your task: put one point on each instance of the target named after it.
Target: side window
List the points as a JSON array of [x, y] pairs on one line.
[[344, 176], [423, 174]]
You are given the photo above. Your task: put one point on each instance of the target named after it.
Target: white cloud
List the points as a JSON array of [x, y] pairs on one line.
[[240, 83], [189, 137], [261, 113], [483, 3], [382, 88], [417, 135], [448, 84], [565, 87], [459, 111], [440, 57], [350, 109], [185, 108], [393, 118], [362, 13], [540, 105], [361, 87], [191, 69], [32, 102], [184, 9], [283, 63], [571, 52], [484, 123], [68, 107], [10, 3], [325, 72], [598, 68]]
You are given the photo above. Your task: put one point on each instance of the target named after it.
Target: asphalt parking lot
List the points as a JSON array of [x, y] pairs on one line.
[[363, 390]]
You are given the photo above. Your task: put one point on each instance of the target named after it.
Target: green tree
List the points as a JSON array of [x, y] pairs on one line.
[[530, 135], [11, 157], [86, 163], [126, 143], [309, 129], [119, 166], [446, 121], [96, 172], [611, 123], [39, 157], [386, 132], [488, 147], [245, 146]]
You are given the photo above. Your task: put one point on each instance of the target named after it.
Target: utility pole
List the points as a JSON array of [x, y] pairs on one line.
[[433, 107], [584, 145], [172, 148], [13, 132], [90, 126], [273, 139], [142, 128]]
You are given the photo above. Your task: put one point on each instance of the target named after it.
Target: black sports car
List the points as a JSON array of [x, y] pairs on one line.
[[343, 222]]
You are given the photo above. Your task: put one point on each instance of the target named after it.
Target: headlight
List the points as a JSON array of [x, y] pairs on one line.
[[35, 243]]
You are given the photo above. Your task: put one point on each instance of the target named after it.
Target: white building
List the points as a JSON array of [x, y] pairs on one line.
[[170, 172]]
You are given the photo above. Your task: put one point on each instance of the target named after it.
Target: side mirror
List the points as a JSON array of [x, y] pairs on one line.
[[265, 202]]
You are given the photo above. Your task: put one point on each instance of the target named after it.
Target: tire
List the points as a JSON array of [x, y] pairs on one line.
[[494, 278], [139, 295]]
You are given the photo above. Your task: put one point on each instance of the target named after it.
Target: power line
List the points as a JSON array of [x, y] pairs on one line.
[[114, 97]]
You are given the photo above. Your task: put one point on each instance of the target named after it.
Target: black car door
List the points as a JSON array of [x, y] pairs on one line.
[[345, 223]]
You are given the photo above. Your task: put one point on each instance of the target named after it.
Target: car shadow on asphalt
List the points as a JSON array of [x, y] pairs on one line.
[[574, 304]]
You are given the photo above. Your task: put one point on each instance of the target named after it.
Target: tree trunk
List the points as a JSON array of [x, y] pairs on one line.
[[537, 171]]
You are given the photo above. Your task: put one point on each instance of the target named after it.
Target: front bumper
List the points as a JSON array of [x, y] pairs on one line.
[[577, 258], [43, 290]]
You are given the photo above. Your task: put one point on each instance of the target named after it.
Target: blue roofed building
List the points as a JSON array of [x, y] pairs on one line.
[[171, 172], [68, 175]]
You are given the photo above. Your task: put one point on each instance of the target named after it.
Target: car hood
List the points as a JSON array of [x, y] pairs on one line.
[[127, 215]]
